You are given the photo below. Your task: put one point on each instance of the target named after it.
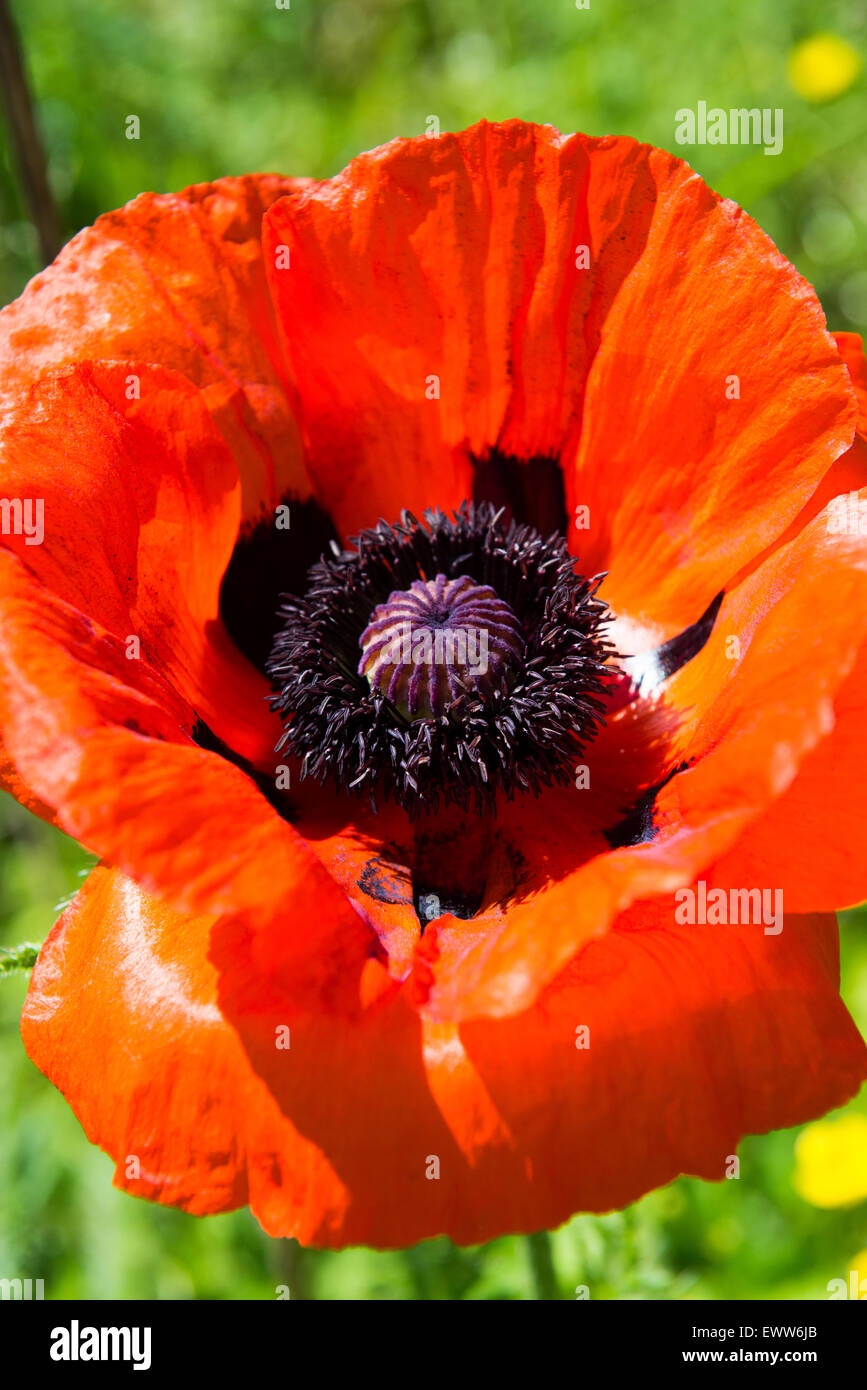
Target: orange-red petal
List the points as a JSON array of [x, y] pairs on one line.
[[436, 305], [344, 1126], [742, 718], [176, 279], [812, 840], [102, 735], [140, 510]]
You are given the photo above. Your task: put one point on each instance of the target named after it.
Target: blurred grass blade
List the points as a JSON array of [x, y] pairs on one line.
[[24, 137], [542, 1266]]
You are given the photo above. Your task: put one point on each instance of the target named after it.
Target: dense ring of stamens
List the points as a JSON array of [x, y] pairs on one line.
[[429, 644], [467, 736]]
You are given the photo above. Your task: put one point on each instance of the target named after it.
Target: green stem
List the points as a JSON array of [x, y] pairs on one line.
[[542, 1266], [24, 137], [21, 957], [294, 1263]]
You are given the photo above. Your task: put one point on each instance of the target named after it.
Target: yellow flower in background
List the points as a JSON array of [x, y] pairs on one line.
[[831, 1162], [822, 67]]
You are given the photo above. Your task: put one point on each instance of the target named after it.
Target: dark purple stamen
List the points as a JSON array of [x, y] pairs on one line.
[[498, 679]]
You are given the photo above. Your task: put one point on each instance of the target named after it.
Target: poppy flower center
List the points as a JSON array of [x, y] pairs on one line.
[[440, 638], [446, 659]]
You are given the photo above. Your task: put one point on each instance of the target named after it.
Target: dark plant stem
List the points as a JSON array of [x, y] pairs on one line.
[[25, 138], [542, 1266]]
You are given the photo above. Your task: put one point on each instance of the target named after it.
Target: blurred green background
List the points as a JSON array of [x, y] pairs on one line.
[[243, 85]]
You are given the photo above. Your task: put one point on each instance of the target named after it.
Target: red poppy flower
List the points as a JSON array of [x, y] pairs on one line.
[[475, 1008]]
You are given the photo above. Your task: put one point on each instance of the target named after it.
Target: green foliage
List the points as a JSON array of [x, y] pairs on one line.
[[243, 85], [21, 957]]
